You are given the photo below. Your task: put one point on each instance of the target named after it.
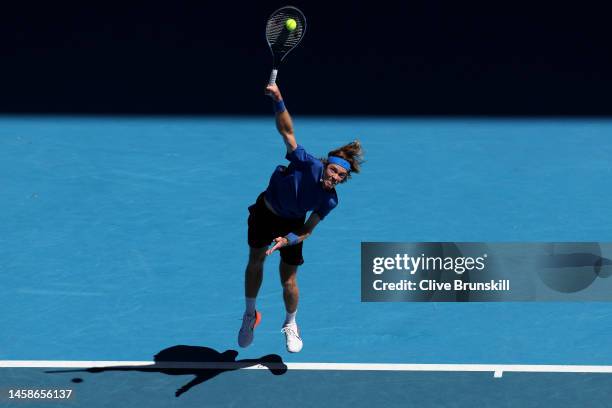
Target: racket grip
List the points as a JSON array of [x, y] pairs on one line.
[[272, 80]]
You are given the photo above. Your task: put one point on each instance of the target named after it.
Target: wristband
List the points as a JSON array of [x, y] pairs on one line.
[[279, 106], [292, 239]]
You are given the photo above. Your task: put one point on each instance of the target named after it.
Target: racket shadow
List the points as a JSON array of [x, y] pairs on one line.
[[204, 363]]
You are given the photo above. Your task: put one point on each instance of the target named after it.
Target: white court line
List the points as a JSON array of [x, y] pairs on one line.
[[496, 369]]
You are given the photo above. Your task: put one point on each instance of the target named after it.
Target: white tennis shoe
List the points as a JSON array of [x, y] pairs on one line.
[[292, 338], [246, 333]]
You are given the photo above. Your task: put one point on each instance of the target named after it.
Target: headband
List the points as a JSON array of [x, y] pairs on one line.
[[340, 162]]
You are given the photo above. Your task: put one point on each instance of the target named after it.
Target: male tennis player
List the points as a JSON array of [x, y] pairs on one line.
[[278, 217]]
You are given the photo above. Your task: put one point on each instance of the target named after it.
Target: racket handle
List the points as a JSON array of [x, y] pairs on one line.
[[272, 80]]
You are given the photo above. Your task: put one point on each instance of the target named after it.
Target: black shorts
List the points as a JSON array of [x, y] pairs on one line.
[[264, 226]]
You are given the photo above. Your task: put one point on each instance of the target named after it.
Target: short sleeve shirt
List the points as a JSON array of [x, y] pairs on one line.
[[296, 189]]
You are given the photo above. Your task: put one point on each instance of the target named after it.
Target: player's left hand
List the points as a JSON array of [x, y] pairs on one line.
[[279, 242]]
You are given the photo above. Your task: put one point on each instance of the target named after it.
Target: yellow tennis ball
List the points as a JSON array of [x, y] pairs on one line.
[[290, 24]]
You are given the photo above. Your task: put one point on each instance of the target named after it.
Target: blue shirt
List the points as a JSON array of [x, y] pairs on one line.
[[297, 189]]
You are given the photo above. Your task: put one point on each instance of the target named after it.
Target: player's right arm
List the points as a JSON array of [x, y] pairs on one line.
[[284, 123]]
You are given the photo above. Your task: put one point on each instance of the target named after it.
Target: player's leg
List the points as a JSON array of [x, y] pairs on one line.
[[291, 295], [260, 234], [253, 276], [291, 292]]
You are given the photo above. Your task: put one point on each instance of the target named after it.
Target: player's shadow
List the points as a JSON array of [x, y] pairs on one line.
[[202, 362], [600, 264]]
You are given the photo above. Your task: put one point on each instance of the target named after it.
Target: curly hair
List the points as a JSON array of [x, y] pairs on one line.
[[352, 152]]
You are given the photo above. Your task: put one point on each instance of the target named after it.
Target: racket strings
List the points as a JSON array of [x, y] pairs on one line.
[[280, 39]]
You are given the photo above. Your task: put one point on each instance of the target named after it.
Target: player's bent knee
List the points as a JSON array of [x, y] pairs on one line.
[[289, 284]]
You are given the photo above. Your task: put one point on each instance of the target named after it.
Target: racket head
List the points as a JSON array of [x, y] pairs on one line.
[[280, 40]]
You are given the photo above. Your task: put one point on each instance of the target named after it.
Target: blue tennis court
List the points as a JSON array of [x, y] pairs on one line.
[[121, 237]]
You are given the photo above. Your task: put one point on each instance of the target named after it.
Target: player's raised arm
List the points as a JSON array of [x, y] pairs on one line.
[[283, 119]]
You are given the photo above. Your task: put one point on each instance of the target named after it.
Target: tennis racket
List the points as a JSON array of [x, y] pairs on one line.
[[281, 39]]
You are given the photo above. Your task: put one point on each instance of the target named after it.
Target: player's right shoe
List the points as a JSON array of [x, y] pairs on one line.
[[292, 338], [249, 323]]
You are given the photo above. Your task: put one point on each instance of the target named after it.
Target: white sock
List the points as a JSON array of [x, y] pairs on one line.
[[250, 306], [290, 318]]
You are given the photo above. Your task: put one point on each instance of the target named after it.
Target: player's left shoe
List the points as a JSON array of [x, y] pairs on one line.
[[246, 333], [292, 338]]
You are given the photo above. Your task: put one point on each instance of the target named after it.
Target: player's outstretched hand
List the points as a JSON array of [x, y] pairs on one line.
[[279, 242], [273, 92]]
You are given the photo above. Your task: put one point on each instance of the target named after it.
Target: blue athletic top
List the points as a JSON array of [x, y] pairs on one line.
[[297, 189]]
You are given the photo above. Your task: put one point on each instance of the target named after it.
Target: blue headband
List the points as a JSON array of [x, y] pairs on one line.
[[340, 162]]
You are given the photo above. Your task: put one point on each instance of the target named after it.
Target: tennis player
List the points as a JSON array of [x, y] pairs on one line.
[[279, 217]]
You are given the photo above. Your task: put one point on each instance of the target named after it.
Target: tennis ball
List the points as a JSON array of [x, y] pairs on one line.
[[290, 24]]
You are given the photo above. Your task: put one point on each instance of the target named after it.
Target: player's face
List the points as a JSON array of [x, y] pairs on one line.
[[333, 175]]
